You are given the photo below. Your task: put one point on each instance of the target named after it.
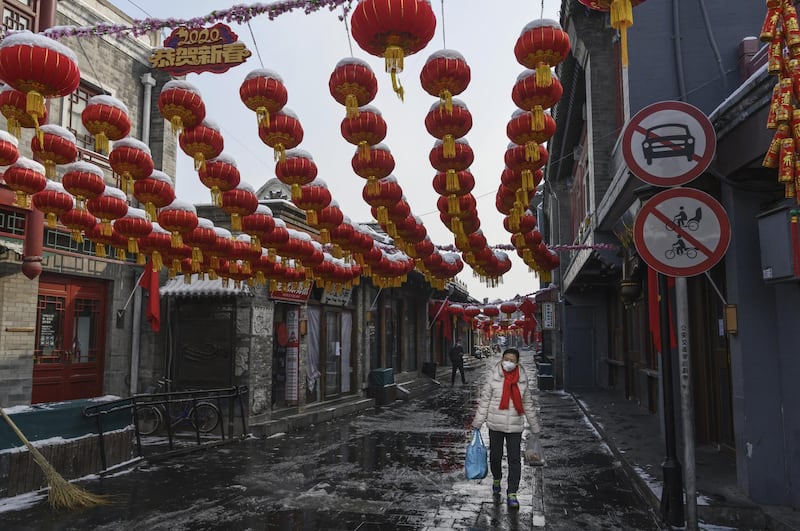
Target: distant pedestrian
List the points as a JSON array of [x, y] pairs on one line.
[[457, 361], [508, 398]]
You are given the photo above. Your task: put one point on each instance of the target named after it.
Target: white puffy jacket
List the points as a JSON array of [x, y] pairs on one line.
[[508, 420]]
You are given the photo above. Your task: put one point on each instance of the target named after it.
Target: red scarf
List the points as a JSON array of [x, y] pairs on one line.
[[511, 390]]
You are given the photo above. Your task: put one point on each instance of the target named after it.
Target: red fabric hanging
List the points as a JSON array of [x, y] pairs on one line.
[[149, 281], [653, 310]]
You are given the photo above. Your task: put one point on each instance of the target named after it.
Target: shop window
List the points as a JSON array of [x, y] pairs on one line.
[[18, 15], [12, 222]]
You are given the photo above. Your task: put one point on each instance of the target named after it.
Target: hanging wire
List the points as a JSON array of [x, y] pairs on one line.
[[542, 13], [91, 65], [255, 43], [347, 29], [444, 40]]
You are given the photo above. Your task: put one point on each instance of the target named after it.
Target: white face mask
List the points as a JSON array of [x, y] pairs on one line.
[[509, 366]]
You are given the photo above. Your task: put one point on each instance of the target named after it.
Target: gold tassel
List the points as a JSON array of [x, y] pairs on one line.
[[197, 257], [531, 151], [49, 169], [133, 246], [105, 228], [21, 199], [451, 181], [236, 222], [311, 217], [51, 220], [214, 262], [176, 240], [150, 211], [176, 123], [297, 192], [363, 150], [232, 266], [199, 162], [453, 205], [101, 142], [544, 78], [537, 118], [100, 250], [13, 127], [187, 278], [383, 215], [262, 113], [527, 179], [121, 254], [157, 261], [372, 185], [280, 153], [216, 196], [446, 101], [141, 259], [246, 268], [260, 278], [255, 244], [212, 275], [34, 105], [225, 282], [397, 87], [449, 147], [351, 106], [324, 236]]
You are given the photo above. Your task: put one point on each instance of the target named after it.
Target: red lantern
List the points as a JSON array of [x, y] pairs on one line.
[[155, 191], [9, 152], [84, 180], [520, 130], [263, 91], [529, 96], [365, 130], [13, 107], [259, 225], [201, 239], [296, 170], [222, 248], [201, 142], [393, 29], [491, 311], [518, 159], [283, 132], [385, 193], [343, 235], [353, 84], [178, 217], [461, 160], [275, 238], [132, 226], [181, 105], [378, 165], [78, 221], [508, 308], [40, 67], [156, 245], [107, 119], [445, 74], [111, 204], [326, 219], [102, 236], [525, 223], [239, 202], [53, 201], [220, 174], [463, 183], [54, 145], [25, 177], [314, 196], [464, 205], [542, 45], [131, 160], [448, 125], [504, 200]]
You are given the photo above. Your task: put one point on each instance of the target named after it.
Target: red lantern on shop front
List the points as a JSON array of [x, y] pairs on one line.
[[107, 119], [378, 165], [178, 217], [40, 67], [542, 45], [447, 126], [78, 221], [239, 202], [353, 84], [365, 130], [132, 226], [201, 239], [155, 191], [296, 170], [201, 142], [283, 132], [393, 29], [219, 174], [385, 193], [529, 96], [13, 107], [520, 130], [84, 180], [131, 160], [508, 308], [111, 204], [326, 219], [263, 91], [181, 105], [54, 145], [25, 177], [445, 74], [101, 237], [9, 151], [464, 183], [343, 234], [314, 196], [517, 159], [259, 225], [461, 160], [156, 245], [53, 201], [275, 238]]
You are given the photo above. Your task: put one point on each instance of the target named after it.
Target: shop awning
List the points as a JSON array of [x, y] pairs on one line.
[[177, 287]]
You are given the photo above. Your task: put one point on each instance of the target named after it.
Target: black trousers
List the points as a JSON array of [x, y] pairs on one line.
[[513, 445], [458, 367]]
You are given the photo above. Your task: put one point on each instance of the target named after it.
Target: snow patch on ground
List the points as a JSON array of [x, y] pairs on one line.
[[652, 483], [22, 501]]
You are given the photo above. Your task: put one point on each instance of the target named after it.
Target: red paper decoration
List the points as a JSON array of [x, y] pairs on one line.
[[84, 180], [383, 194], [54, 145], [201, 239], [131, 160], [447, 126], [132, 226], [78, 221], [109, 205], [283, 132], [378, 165], [178, 217], [529, 96], [541, 45], [445, 74], [296, 170], [107, 119], [259, 225], [219, 174], [353, 84], [326, 219], [181, 105], [9, 151], [365, 130], [239, 202], [201, 142], [263, 91], [25, 177], [13, 107], [155, 191], [314, 196], [53, 201]]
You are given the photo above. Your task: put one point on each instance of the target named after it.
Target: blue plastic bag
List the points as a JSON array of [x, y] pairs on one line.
[[476, 462]]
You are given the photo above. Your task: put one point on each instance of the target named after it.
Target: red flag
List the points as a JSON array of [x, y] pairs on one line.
[[149, 281], [653, 310]]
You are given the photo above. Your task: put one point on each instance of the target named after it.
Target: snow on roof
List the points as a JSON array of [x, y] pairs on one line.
[[177, 287]]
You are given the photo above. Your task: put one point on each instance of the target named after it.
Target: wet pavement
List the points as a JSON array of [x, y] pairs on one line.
[[399, 467]]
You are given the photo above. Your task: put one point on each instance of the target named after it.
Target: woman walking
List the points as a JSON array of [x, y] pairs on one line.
[[508, 398]]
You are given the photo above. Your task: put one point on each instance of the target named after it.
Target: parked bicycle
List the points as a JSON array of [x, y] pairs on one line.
[[203, 415]]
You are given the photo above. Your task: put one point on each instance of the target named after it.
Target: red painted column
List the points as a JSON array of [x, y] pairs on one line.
[[34, 220]]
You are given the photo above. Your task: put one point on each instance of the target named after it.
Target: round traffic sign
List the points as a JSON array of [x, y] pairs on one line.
[[682, 232], [668, 143]]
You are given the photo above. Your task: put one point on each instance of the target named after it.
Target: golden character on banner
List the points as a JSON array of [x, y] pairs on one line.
[[786, 167]]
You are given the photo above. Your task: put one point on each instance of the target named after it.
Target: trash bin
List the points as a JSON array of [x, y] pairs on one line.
[[381, 386], [546, 382], [429, 369]]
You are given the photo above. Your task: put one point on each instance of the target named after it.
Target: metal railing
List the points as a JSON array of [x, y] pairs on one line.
[[229, 397]]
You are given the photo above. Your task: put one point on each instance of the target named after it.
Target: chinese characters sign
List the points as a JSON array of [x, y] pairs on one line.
[[214, 49]]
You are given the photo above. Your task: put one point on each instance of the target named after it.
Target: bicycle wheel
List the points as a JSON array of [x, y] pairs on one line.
[[691, 253], [205, 417], [692, 225], [148, 419], [669, 254]]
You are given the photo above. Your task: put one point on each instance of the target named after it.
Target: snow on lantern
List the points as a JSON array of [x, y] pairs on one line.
[[461, 160], [25, 177], [263, 91], [393, 29], [178, 217], [378, 165], [382, 195], [239, 202], [107, 119], [101, 237], [40, 67], [542, 45], [520, 130], [53, 201], [201, 239], [84, 180], [258, 225], [342, 236], [131, 160], [353, 84], [517, 159], [78, 221], [327, 219], [155, 191], [296, 170], [156, 245], [445, 74], [9, 149], [365, 130], [275, 238], [222, 248], [219, 174], [110, 204], [201, 142], [447, 126], [508, 308], [181, 105], [283, 132], [529, 96], [463, 183], [54, 145], [314, 196], [132, 226], [13, 107]]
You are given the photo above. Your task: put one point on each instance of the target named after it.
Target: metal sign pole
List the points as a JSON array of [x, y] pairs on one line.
[[687, 403]]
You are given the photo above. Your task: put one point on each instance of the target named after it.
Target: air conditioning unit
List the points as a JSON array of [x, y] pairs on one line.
[[777, 244]]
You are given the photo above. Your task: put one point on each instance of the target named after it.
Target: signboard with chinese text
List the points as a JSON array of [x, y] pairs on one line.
[[297, 292], [340, 297], [293, 357], [548, 316], [215, 49]]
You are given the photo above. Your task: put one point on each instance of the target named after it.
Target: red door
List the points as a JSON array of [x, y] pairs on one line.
[[70, 339]]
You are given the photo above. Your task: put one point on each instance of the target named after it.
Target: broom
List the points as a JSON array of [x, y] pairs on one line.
[[63, 494]]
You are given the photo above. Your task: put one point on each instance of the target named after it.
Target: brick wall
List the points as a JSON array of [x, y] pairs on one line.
[[17, 318]]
